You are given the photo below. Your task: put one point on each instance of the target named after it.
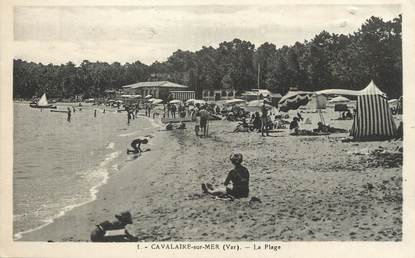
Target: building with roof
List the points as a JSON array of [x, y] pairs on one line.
[[255, 94], [214, 95], [157, 89], [183, 95]]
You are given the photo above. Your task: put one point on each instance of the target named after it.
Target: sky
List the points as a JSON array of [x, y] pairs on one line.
[[149, 33]]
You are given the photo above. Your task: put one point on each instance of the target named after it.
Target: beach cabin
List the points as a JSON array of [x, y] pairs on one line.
[[157, 89], [215, 95], [373, 119], [183, 95], [256, 94]]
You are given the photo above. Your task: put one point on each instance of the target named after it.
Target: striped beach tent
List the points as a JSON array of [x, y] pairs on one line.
[[373, 119]]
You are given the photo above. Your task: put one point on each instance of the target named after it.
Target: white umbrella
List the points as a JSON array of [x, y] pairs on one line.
[[234, 102], [135, 96], [190, 101], [148, 96], [195, 101], [199, 101], [131, 96], [258, 103], [339, 99], [175, 101], [156, 101]]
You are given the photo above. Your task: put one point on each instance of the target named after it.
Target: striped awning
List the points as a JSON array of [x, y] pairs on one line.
[[373, 119]]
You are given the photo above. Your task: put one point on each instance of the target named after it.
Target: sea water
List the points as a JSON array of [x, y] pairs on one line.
[[59, 165]]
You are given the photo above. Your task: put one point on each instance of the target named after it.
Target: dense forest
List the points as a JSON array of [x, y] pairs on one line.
[[326, 61]]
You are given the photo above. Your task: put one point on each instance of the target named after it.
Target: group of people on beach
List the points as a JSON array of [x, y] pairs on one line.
[[201, 116], [72, 110]]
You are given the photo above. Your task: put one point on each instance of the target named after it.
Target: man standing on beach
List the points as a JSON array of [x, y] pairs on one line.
[[264, 120], [204, 117], [128, 117], [173, 111], [168, 109]]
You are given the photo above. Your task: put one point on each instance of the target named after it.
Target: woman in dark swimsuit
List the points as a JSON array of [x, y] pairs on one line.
[[239, 176]]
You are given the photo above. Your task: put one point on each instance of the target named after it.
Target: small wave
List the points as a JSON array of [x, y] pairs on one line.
[[110, 146], [101, 171], [128, 134], [115, 167], [155, 122]]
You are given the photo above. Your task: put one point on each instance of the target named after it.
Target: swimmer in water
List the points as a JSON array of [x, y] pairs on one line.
[[69, 115]]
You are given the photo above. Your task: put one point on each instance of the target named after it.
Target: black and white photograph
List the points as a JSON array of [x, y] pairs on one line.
[[189, 123]]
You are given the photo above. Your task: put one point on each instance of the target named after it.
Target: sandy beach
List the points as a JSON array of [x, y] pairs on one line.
[[310, 187]]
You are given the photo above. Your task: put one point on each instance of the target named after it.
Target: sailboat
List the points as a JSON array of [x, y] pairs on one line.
[[42, 103]]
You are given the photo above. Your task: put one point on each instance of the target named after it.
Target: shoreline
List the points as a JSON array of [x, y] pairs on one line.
[[94, 192]]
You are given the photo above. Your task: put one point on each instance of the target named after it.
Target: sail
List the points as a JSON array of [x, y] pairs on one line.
[[43, 101]]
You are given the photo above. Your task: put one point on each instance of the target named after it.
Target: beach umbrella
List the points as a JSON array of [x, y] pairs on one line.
[[148, 96], [156, 101], [339, 92], [190, 101], [175, 101], [135, 96], [199, 101], [339, 99], [234, 102], [258, 103], [294, 99], [195, 101]]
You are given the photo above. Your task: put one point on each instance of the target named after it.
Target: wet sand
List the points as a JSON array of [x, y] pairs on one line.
[[310, 187]]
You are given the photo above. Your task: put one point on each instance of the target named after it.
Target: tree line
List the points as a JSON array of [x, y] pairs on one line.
[[328, 60]]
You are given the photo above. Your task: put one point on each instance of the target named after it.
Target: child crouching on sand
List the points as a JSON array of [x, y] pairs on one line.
[[99, 234], [239, 176]]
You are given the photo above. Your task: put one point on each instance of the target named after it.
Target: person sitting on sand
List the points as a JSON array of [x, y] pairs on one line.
[[242, 127], [169, 126], [136, 144], [294, 125], [123, 219], [321, 127], [299, 116], [239, 176], [217, 110], [257, 121], [349, 115], [182, 125]]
